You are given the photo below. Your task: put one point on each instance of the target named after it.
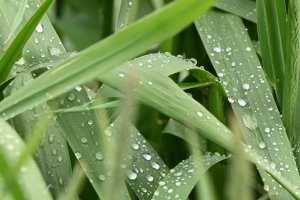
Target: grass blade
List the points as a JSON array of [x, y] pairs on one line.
[[182, 179], [27, 176], [243, 8], [144, 169], [89, 64], [291, 88], [272, 27], [14, 52], [237, 65], [123, 15]]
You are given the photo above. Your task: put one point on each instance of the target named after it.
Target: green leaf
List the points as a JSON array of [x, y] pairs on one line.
[[123, 14], [243, 8], [272, 32], [53, 156], [94, 60], [179, 183], [144, 168], [19, 183], [14, 51], [238, 68], [291, 87]]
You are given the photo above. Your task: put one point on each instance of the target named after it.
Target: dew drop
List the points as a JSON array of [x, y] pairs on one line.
[[83, 140], [121, 75], [77, 155], [200, 114], [59, 158], [246, 86], [249, 122], [217, 49], [131, 175], [99, 156], [170, 191], [231, 100], [61, 181], [135, 146], [155, 165], [267, 130], [78, 88], [147, 156], [21, 61], [193, 61], [54, 51], [220, 75], [51, 139], [101, 177], [71, 97], [242, 102], [248, 49], [149, 178], [39, 28], [262, 145]]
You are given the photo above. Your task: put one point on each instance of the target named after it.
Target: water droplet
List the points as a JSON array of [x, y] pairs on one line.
[[220, 75], [193, 61], [77, 155], [121, 75], [90, 122], [51, 139], [155, 165], [161, 183], [54, 51], [150, 82], [59, 158], [242, 102], [249, 122], [21, 61], [262, 145], [170, 191], [246, 86], [149, 178], [266, 188], [267, 130], [131, 175], [101, 177], [71, 97], [39, 28], [200, 114], [83, 140], [78, 88], [231, 100], [61, 181], [217, 49], [147, 156], [135, 146], [99, 156], [248, 49]]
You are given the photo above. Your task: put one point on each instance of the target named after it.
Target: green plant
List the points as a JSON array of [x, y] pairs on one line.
[[141, 124]]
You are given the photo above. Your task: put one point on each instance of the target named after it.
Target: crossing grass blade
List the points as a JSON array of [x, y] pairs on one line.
[[123, 15], [14, 51], [183, 178], [232, 55], [272, 32], [291, 88], [94, 60], [53, 156], [18, 184], [243, 8]]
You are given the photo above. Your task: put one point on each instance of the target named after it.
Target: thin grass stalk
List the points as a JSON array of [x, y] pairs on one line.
[[291, 97]]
